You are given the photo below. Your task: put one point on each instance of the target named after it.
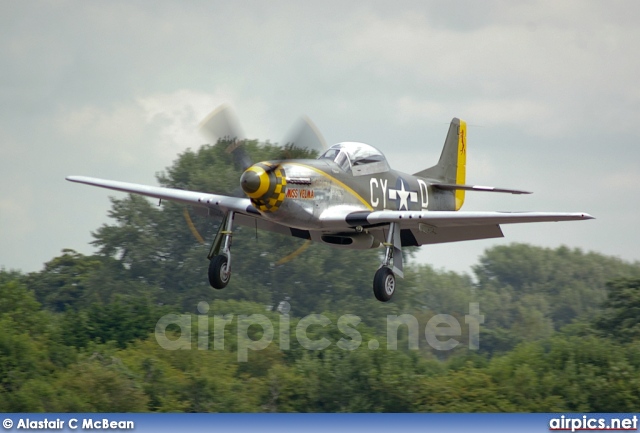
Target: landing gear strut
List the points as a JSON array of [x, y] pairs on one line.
[[384, 282], [220, 254]]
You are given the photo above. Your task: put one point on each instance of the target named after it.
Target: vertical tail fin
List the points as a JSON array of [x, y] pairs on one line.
[[452, 166]]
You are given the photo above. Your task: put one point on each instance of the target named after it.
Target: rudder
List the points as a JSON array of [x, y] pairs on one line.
[[452, 166]]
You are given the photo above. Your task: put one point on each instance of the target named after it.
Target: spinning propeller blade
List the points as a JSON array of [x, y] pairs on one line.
[[304, 135], [222, 124]]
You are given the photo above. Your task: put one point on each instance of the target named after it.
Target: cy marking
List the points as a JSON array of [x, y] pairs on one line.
[[402, 195]]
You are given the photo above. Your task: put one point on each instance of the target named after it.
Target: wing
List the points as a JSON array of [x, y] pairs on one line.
[[246, 214], [456, 218], [212, 201], [419, 228]]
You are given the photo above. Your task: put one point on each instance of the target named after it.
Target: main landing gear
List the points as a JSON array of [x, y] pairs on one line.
[[384, 282], [220, 254]]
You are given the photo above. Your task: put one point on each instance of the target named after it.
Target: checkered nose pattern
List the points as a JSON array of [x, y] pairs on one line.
[[264, 183]]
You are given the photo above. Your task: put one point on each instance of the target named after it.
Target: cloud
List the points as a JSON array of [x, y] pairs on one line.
[[107, 133], [485, 112], [555, 68], [156, 126], [15, 214], [549, 91], [175, 116], [627, 181]]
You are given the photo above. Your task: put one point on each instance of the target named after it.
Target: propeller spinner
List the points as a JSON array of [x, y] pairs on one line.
[[264, 183]]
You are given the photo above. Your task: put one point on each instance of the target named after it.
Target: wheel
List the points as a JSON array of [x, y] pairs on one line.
[[219, 272], [384, 284]]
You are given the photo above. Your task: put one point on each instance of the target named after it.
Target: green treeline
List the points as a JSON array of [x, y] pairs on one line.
[[560, 328]]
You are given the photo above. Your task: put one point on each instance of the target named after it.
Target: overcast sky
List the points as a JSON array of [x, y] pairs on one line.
[[550, 91]]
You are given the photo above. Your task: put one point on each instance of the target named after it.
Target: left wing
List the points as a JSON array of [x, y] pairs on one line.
[[457, 218], [420, 228]]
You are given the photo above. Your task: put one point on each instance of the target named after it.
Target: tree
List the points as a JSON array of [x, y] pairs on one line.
[[527, 292], [73, 281], [621, 317]]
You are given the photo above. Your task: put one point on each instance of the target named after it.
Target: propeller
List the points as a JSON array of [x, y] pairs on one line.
[[303, 141], [304, 136], [222, 124]]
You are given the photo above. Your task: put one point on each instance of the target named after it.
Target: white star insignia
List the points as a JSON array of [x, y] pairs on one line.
[[403, 195]]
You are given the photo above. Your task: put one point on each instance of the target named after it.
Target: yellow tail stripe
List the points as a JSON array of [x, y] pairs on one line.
[[461, 172]]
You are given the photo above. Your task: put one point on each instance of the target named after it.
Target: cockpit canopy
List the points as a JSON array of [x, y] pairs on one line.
[[359, 158]]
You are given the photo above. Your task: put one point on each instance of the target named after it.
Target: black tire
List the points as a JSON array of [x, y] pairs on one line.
[[384, 284], [219, 272]]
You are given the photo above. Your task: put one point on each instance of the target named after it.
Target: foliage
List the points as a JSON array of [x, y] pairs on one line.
[[528, 292], [621, 317]]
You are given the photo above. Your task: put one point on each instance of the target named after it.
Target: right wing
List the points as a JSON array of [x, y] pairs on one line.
[[245, 213], [212, 201]]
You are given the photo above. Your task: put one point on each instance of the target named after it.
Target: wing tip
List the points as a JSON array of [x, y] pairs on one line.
[[80, 179]]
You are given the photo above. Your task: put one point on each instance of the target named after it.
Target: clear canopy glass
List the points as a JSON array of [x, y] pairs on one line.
[[349, 154]]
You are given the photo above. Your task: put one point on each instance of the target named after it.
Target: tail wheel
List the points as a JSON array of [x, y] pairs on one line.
[[384, 284], [219, 272]]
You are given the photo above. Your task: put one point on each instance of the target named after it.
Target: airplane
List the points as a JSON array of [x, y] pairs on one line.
[[349, 197]]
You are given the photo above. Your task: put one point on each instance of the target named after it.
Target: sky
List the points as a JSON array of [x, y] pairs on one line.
[[115, 89]]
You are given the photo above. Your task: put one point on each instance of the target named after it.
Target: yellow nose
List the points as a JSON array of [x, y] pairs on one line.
[[255, 182]]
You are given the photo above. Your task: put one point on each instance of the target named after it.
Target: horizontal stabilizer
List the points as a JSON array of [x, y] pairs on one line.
[[454, 186]]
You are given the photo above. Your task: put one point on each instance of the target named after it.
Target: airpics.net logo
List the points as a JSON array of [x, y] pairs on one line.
[[442, 332], [592, 423]]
